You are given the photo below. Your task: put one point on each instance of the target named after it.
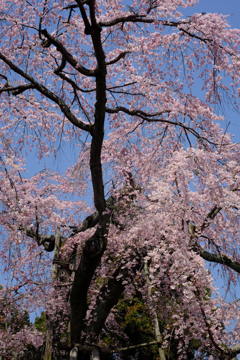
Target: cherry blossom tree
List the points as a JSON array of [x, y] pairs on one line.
[[134, 87]]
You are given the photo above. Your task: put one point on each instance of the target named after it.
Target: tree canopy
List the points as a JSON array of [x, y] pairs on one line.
[[150, 196]]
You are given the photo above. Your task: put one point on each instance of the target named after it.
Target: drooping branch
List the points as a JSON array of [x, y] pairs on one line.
[[143, 18], [225, 351], [151, 117], [221, 349], [49, 94]]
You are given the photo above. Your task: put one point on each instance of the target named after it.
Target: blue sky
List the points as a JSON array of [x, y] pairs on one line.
[[229, 7]]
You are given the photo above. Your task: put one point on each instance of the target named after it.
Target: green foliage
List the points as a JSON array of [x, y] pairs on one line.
[[40, 322], [134, 320], [136, 328]]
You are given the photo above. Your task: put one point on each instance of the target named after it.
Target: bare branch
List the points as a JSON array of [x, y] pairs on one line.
[[73, 6], [16, 90], [72, 83], [121, 86], [117, 58]]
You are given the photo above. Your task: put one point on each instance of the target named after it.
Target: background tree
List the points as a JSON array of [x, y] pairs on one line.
[[19, 339], [132, 87]]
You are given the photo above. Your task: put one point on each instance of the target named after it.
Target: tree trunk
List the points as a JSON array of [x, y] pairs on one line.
[[48, 344]]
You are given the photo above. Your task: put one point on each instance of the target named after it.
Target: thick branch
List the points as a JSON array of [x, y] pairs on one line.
[[93, 219], [196, 233], [210, 216], [47, 241], [107, 299], [138, 18], [127, 348], [49, 94], [218, 258], [111, 292], [130, 18], [136, 112]]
